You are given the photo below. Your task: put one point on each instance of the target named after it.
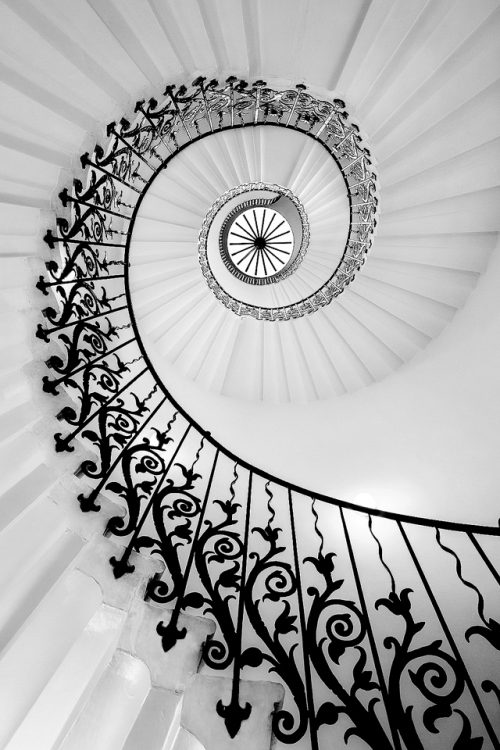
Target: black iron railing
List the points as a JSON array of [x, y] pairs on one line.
[[379, 625]]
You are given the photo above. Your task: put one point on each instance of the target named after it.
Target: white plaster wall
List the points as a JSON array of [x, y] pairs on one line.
[[423, 441]]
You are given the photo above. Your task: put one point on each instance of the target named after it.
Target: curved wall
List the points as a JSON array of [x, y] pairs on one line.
[[424, 441]]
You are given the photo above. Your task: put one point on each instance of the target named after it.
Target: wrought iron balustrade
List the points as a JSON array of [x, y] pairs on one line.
[[379, 625]]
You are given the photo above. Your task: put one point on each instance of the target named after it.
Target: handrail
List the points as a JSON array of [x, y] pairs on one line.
[[227, 530]]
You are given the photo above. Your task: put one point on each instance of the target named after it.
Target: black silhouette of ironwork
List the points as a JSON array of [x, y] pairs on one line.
[[334, 600]]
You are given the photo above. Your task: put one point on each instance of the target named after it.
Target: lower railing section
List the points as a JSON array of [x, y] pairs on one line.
[[377, 627]]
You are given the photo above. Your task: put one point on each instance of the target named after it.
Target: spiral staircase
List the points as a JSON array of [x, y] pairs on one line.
[[249, 505]]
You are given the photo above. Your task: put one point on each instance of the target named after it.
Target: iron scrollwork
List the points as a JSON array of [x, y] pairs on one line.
[[277, 577], [336, 627], [221, 561]]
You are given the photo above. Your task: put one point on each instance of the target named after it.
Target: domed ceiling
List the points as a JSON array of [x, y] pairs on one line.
[[419, 89]]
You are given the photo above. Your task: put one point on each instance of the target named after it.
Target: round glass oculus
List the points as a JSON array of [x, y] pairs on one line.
[[260, 243]]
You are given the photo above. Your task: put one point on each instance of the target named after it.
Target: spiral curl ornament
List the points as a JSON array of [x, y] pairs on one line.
[[278, 582], [226, 547], [437, 677], [344, 628], [185, 506]]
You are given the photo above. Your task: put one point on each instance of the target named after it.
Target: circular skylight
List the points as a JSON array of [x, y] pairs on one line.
[[260, 243]]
